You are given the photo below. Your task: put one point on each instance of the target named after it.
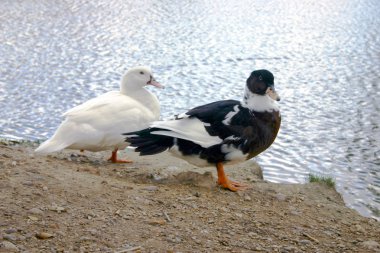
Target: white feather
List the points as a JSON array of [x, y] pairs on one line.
[[191, 129], [192, 159], [259, 103], [230, 115], [233, 154]]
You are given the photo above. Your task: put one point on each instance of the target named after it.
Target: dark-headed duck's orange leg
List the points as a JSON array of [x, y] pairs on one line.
[[114, 159], [224, 182]]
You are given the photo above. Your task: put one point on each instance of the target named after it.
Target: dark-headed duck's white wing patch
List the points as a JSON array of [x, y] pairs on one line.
[[191, 129]]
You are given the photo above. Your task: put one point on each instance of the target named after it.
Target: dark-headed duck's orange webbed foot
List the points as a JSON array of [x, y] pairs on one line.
[[225, 183]]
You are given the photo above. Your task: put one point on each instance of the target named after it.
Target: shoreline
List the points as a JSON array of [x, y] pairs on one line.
[[163, 204]]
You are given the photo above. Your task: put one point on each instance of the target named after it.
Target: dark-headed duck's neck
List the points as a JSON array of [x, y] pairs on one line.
[[259, 103]]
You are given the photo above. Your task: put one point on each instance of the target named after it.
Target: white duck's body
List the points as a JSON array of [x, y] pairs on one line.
[[97, 124]]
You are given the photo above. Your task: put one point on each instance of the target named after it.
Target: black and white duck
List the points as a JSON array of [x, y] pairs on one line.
[[218, 133]]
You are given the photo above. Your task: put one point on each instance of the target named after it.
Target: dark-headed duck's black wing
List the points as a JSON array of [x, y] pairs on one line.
[[225, 119]]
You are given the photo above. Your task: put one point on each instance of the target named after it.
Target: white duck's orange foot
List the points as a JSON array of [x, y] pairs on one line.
[[114, 159], [120, 161]]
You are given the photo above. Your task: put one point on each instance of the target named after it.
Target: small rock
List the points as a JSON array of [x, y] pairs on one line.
[[61, 233], [45, 188], [14, 163], [44, 235], [58, 209], [295, 212], [173, 239], [10, 237], [289, 249], [93, 232], [280, 197], [151, 188], [197, 194], [28, 183], [8, 246], [33, 218], [359, 228], [10, 230], [371, 245], [304, 242], [247, 198], [157, 222], [35, 211], [223, 242]]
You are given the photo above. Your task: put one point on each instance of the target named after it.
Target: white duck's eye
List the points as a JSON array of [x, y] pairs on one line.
[[142, 72]]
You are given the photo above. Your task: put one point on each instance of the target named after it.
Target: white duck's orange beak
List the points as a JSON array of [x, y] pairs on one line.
[[271, 92], [153, 82]]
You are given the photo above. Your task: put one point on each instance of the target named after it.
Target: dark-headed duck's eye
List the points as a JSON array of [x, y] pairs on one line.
[[142, 72]]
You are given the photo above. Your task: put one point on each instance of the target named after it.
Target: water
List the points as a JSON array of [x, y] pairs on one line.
[[325, 56]]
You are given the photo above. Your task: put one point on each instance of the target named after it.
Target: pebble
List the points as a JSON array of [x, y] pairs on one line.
[[28, 183], [33, 218], [359, 228], [247, 198], [8, 246], [93, 232], [280, 197], [295, 212], [58, 209], [35, 210], [304, 242], [44, 235], [197, 194], [157, 222], [371, 245], [10, 237], [151, 188], [10, 230], [173, 239]]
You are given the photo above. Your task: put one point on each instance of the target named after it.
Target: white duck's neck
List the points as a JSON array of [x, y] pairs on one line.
[[141, 95], [128, 86], [259, 103]]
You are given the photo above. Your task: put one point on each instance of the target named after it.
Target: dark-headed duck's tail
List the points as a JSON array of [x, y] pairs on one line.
[[147, 143]]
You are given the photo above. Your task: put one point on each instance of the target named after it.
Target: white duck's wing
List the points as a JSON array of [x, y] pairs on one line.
[[91, 104], [108, 113], [98, 124]]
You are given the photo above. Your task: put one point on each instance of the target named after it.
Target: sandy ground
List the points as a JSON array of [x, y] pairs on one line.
[[67, 202]]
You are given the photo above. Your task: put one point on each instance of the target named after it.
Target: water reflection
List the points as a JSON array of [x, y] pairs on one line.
[[324, 55]]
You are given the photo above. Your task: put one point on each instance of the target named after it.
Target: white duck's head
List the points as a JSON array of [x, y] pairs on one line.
[[136, 78]]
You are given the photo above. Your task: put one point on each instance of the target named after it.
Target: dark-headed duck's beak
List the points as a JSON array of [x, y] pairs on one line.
[[271, 92], [153, 82]]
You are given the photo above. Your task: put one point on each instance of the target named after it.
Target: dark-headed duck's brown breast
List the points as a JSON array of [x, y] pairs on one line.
[[267, 125]]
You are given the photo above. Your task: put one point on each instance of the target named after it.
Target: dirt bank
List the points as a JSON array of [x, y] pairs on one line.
[[66, 202]]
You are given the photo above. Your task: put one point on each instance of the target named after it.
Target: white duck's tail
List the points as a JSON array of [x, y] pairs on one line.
[[50, 146], [60, 140]]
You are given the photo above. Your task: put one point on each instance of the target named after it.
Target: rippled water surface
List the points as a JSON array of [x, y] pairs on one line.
[[325, 56]]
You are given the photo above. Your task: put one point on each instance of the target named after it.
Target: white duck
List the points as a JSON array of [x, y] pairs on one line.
[[97, 124]]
